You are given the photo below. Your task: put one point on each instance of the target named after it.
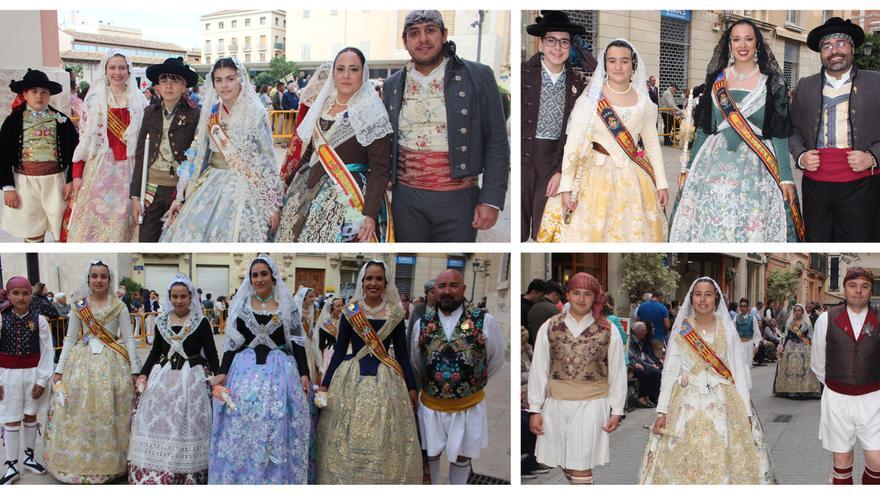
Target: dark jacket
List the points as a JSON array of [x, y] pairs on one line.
[[12, 140], [290, 101], [180, 133], [531, 100], [864, 107], [540, 312], [475, 118]]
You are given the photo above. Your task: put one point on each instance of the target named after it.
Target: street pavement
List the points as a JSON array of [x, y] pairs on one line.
[[790, 426], [494, 461], [499, 233]]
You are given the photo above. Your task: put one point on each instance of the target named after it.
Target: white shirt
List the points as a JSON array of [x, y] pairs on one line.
[[837, 83], [539, 373], [820, 330], [554, 76]]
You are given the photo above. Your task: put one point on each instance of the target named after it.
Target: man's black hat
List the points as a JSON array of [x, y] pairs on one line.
[[554, 20], [176, 66], [835, 25], [35, 79]]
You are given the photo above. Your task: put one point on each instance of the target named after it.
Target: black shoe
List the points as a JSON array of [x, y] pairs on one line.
[[30, 464], [11, 475], [528, 475], [542, 469]]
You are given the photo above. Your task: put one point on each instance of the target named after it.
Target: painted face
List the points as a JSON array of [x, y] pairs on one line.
[[261, 278], [424, 42], [20, 299], [99, 279], [743, 43], [449, 290], [555, 46], [857, 293], [581, 301], [226, 83], [703, 298], [348, 74], [117, 71], [37, 98], [619, 64], [171, 87], [374, 282], [836, 55], [180, 299]]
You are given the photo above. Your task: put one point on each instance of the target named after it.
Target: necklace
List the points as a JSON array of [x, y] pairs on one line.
[[371, 311], [263, 301], [336, 100], [742, 77], [627, 90]]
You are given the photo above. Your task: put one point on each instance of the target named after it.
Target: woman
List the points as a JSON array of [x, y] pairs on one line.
[[264, 97], [611, 191], [111, 120], [231, 188], [706, 431], [171, 429], [794, 378], [87, 437], [731, 194], [325, 203], [262, 437], [328, 330], [304, 300], [307, 97], [367, 433]]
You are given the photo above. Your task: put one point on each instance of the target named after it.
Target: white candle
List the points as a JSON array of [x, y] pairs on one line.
[[144, 177]]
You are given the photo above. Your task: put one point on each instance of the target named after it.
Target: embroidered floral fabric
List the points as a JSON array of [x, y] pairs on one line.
[[457, 367]]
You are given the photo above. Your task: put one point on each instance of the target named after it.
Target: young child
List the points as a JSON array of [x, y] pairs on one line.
[[171, 125], [36, 151], [25, 369]]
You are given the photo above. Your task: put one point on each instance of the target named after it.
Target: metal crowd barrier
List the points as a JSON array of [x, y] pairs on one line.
[[282, 122], [663, 114], [143, 326]]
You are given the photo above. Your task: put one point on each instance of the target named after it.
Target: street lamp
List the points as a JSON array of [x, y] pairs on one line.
[[476, 266], [866, 48]]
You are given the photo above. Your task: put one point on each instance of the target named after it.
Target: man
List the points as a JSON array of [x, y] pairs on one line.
[[668, 101], [544, 308], [534, 293], [653, 91], [772, 339], [302, 79], [457, 349], [26, 366], [577, 384], [171, 125], [757, 310], [655, 312], [749, 336], [836, 140], [449, 129], [419, 310], [844, 356], [290, 100], [550, 86], [644, 365], [61, 305]]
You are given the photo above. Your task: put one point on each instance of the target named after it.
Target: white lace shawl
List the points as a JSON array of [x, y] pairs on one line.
[[241, 304], [251, 137], [390, 296], [195, 305], [93, 126], [365, 111]]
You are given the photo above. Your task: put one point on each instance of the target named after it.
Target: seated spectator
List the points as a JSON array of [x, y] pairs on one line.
[[644, 365]]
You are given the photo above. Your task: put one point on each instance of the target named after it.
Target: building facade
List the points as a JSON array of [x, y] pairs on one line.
[[252, 36]]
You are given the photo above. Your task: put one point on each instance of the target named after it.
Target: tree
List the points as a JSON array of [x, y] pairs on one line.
[[279, 68], [264, 79], [643, 272], [782, 284], [130, 285], [871, 62], [75, 69]]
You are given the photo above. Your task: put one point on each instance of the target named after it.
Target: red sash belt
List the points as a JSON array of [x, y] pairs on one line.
[[849, 389], [429, 170], [9, 361], [833, 167], [39, 169]]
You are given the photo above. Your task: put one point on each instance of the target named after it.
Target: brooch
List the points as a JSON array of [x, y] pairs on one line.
[[867, 329], [30, 325], [465, 325], [60, 118], [574, 90], [181, 119]]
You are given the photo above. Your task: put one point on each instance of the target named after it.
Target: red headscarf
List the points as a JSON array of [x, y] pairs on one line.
[[18, 282], [582, 280], [18, 101]]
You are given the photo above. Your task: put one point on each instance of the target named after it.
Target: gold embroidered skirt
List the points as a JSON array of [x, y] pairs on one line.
[[367, 433], [87, 437]]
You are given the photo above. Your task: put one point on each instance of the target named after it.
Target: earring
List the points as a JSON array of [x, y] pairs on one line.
[[755, 56], [730, 59]]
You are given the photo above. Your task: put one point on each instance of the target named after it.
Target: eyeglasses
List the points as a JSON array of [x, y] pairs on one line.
[[552, 42], [839, 44]]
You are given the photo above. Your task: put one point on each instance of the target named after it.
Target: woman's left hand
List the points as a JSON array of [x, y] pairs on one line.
[[663, 197], [788, 193], [367, 230], [414, 398], [306, 384], [274, 220]]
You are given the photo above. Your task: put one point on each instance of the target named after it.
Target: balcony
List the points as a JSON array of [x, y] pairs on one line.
[[262, 48], [279, 46], [233, 48]]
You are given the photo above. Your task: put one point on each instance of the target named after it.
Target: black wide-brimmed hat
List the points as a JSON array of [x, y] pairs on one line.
[[173, 65], [554, 20], [835, 25], [35, 79]]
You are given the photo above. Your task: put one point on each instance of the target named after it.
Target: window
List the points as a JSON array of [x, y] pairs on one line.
[[220, 25], [220, 46], [834, 274], [827, 14], [307, 14], [208, 46], [207, 26], [262, 56], [262, 42], [276, 21], [233, 45], [334, 12], [262, 21], [207, 59], [247, 57], [234, 23], [791, 62], [306, 52], [247, 43], [791, 17], [247, 22]]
